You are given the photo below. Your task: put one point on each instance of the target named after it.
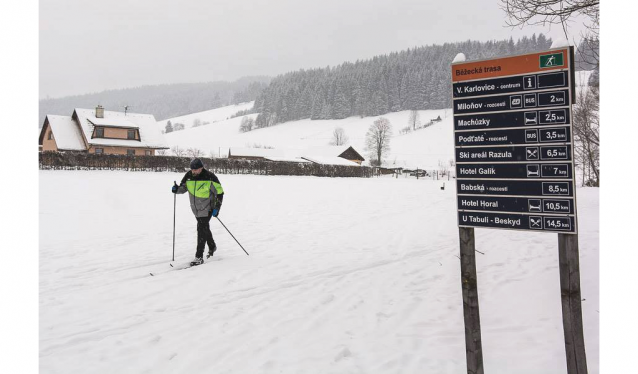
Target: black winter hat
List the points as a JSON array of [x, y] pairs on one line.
[[196, 164]]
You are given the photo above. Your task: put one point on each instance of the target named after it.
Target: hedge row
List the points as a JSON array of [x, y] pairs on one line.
[[89, 161]]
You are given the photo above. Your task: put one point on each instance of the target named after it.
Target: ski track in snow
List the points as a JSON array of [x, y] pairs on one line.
[[344, 276]]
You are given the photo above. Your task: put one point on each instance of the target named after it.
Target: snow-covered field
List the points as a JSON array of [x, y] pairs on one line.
[[344, 276]]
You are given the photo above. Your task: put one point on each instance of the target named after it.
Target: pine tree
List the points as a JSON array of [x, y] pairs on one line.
[[416, 79]]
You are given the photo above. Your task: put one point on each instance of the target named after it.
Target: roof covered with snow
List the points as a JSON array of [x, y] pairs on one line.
[[114, 122], [287, 159], [327, 160], [150, 134], [256, 152], [325, 151], [328, 155], [66, 133]]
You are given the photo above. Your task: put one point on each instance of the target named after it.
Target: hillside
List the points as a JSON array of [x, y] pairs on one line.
[[423, 148], [162, 101]]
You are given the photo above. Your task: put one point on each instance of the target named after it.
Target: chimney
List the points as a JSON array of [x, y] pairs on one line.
[[99, 111]]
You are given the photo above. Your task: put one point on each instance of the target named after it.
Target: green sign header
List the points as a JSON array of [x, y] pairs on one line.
[[552, 60]]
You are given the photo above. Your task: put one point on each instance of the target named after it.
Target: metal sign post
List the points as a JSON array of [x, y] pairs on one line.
[[515, 170]]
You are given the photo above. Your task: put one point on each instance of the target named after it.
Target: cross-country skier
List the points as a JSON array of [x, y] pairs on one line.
[[206, 195]]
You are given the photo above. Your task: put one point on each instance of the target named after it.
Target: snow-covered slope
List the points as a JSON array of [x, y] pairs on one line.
[[211, 116], [423, 148], [363, 279]]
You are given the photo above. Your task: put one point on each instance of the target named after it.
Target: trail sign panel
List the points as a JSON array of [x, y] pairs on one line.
[[516, 204], [511, 84], [514, 143], [517, 221], [482, 104], [518, 119], [514, 171], [515, 187], [512, 65], [516, 136], [514, 153]]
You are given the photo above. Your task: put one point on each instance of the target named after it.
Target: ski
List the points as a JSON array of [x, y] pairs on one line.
[[181, 266]]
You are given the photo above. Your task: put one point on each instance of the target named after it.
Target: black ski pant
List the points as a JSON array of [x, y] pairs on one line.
[[204, 236]]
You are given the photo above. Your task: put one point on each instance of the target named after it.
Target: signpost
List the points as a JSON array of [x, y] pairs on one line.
[[515, 171]]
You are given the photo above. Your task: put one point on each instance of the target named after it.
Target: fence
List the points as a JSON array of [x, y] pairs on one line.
[[89, 161]]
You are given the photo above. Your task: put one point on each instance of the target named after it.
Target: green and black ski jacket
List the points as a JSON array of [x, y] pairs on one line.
[[204, 190]]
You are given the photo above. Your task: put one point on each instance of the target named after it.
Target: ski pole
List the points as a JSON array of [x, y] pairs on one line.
[[174, 205], [231, 234]]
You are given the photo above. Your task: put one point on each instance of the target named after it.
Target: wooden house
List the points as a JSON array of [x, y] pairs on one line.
[[102, 132]]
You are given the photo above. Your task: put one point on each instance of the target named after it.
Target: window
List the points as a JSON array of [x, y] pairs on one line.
[[131, 134], [99, 151], [99, 132], [51, 135], [130, 152], [148, 153]]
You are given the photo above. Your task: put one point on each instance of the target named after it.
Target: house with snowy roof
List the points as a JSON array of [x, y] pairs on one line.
[[332, 155], [329, 155], [101, 131]]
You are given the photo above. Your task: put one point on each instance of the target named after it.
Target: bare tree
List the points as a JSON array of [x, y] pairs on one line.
[[586, 120], [586, 127], [378, 140], [161, 152], [177, 151], [246, 124], [550, 12], [405, 130], [197, 122], [414, 119], [444, 167], [339, 137], [194, 152]]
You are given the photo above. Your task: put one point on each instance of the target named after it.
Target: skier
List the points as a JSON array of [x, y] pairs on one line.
[[206, 195]]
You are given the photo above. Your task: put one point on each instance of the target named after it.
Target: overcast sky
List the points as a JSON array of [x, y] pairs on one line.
[[90, 46]]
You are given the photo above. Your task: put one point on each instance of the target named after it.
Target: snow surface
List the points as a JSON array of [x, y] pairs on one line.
[[344, 276], [559, 43], [424, 148], [460, 57], [212, 116]]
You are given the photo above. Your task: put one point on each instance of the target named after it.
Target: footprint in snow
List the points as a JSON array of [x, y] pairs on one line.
[[344, 353], [327, 299]]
